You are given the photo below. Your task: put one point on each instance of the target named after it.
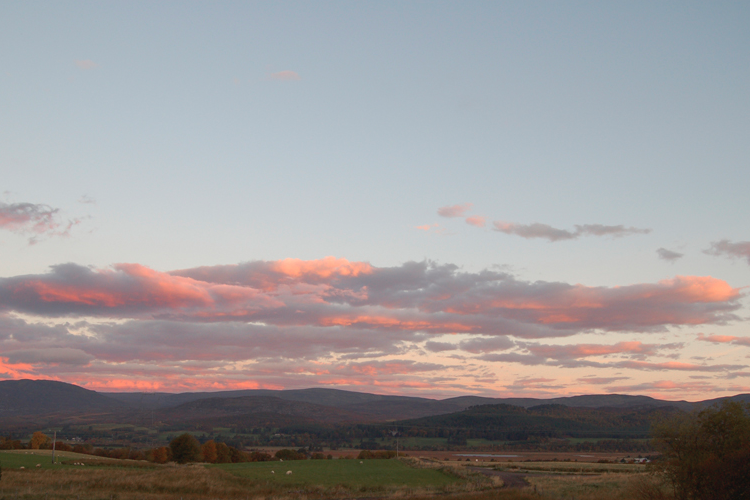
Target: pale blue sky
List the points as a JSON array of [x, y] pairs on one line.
[[560, 113]]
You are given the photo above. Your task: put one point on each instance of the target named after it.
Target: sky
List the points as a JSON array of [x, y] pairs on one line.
[[433, 199]]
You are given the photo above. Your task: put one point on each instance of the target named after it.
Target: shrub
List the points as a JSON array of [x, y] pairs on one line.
[[367, 454], [290, 455]]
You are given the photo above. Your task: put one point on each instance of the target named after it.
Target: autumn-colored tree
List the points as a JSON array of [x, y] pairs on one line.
[[208, 450], [159, 455], [38, 440], [223, 454], [705, 455]]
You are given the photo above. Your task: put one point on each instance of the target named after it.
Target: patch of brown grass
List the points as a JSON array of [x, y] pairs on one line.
[[168, 483]]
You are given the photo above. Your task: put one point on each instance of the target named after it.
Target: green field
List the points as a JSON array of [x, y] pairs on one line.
[[354, 474], [29, 459]]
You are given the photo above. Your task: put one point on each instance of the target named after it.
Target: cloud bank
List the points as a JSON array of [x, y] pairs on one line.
[[332, 321]]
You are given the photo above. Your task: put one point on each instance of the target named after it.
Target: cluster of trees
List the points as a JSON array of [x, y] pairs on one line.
[[301, 454], [384, 454], [706, 454]]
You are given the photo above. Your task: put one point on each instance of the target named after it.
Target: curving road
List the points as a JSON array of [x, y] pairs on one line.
[[510, 479]]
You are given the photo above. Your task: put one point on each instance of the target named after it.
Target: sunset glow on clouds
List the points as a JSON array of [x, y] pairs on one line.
[[335, 319], [326, 197]]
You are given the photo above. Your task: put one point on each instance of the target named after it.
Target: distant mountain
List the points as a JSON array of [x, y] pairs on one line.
[[36, 398], [509, 422], [587, 401], [41, 397], [251, 411], [380, 407], [322, 396]]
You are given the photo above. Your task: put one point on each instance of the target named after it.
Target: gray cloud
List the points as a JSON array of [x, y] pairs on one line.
[[454, 210], [726, 248], [669, 255], [545, 231], [53, 355], [439, 346]]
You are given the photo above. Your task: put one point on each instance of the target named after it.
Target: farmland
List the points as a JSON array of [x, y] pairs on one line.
[[309, 479]]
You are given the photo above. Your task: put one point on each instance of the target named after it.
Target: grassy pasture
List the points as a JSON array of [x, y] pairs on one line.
[[29, 458], [349, 473], [313, 480], [597, 487], [574, 467]]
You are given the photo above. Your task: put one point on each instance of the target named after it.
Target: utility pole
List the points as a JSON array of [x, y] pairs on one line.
[[395, 434], [54, 442]]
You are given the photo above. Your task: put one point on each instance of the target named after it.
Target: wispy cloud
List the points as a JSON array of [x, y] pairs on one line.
[[600, 380], [427, 227], [724, 339], [476, 220], [85, 64], [87, 200], [545, 231], [669, 255], [454, 210], [28, 217], [35, 220], [726, 248], [285, 75]]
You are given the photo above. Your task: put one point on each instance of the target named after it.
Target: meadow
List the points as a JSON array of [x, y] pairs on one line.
[[354, 474], [135, 480], [415, 479]]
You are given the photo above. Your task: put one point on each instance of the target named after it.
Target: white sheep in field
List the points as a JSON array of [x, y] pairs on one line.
[[22, 467], [38, 465], [272, 472], [288, 472]]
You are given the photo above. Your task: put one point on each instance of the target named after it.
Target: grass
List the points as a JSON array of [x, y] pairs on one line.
[[354, 474], [572, 467], [29, 458], [601, 487], [310, 480]]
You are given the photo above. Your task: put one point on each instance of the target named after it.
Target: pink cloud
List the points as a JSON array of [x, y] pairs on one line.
[[588, 350], [476, 220], [339, 293], [28, 217], [426, 227], [724, 339], [36, 220], [454, 210], [285, 76]]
